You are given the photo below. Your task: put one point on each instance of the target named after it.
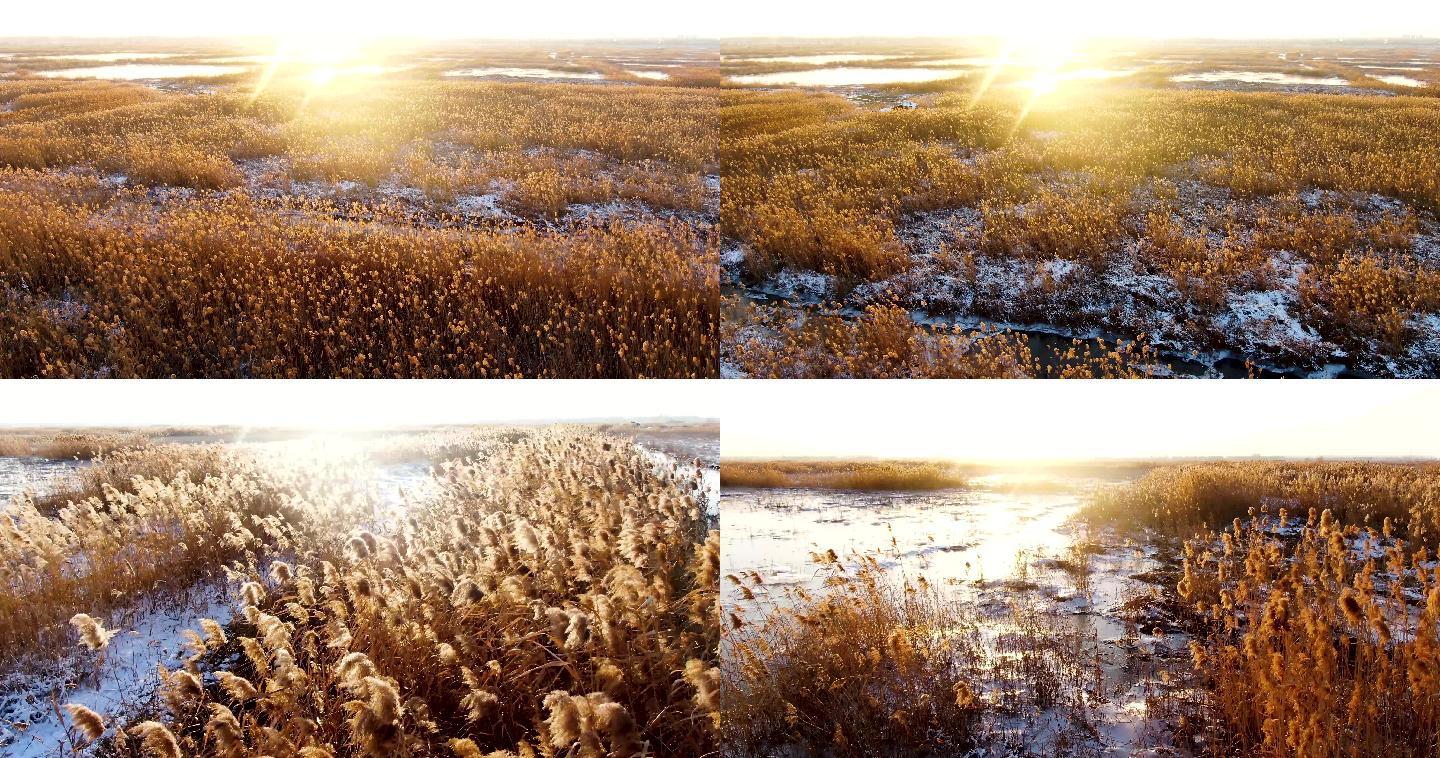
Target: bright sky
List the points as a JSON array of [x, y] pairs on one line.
[[1091, 18], [472, 19], [665, 18], [340, 404], [1040, 420]]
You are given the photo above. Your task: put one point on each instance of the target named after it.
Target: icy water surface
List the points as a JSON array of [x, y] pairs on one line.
[[684, 451], [848, 76], [980, 62], [524, 73], [33, 475], [816, 60], [1260, 77], [991, 545], [131, 72], [964, 534], [1002, 61], [1401, 81], [110, 57], [247, 59]]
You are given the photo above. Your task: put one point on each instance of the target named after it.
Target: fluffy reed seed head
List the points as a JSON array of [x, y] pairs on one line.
[[564, 722], [706, 681], [253, 593], [237, 687], [619, 729], [224, 730], [156, 740], [214, 633], [93, 634], [88, 722], [280, 573]]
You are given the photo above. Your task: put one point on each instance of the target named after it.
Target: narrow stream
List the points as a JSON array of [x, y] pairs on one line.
[[1049, 345]]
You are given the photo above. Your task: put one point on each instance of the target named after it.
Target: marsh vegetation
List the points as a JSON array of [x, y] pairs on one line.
[[295, 220], [486, 591], [1211, 608], [1171, 221]]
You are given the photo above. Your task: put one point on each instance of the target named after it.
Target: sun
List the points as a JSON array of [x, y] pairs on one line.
[[1036, 52], [1045, 52], [317, 56], [322, 76]]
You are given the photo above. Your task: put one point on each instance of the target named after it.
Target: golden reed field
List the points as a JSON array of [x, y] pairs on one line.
[[415, 221], [1224, 209], [530, 591], [877, 209]]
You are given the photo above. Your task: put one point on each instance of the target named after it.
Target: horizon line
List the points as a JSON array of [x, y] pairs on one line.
[[1407, 458], [731, 38]]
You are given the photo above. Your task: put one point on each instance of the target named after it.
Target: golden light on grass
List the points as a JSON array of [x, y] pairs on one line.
[[1066, 152], [642, 145], [843, 475], [555, 572]]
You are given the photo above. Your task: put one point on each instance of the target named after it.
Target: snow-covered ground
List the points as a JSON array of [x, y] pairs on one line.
[[121, 684], [1261, 319], [270, 178], [124, 683]]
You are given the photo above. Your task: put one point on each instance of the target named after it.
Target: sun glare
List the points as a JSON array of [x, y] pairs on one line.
[[317, 51], [322, 76], [1039, 51]]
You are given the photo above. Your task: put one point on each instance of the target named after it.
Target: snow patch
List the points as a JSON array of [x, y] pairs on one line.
[[1264, 317], [801, 286], [484, 206], [118, 686], [602, 212], [731, 257]]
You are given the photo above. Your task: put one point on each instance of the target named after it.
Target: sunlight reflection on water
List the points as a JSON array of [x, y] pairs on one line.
[[843, 76], [960, 534], [140, 71], [1259, 77], [524, 73]]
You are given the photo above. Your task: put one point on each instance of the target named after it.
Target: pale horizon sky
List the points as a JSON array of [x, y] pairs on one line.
[[991, 421], [340, 404], [1220, 19], [968, 421], [424, 19], [632, 19]]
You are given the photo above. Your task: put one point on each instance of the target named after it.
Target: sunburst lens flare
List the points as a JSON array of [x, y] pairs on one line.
[[266, 78], [315, 57], [1001, 60]]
